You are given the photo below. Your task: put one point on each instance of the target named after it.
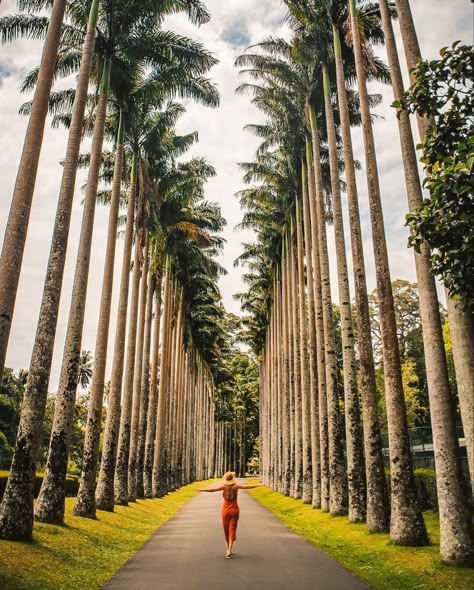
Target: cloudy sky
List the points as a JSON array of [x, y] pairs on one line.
[[234, 25]]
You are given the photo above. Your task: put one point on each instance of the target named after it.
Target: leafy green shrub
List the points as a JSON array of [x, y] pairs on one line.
[[6, 451], [425, 480], [72, 484]]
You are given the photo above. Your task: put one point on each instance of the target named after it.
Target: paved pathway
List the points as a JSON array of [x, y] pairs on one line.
[[188, 553]]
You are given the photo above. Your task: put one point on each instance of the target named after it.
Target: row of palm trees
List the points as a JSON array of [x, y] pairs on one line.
[[304, 88], [160, 429]]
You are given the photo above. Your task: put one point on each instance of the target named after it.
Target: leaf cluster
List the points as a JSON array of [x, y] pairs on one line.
[[443, 92]]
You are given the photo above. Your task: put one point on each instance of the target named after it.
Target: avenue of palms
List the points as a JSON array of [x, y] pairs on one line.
[[295, 383]]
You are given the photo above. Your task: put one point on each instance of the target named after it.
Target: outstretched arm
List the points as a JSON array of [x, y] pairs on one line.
[[220, 488], [249, 486]]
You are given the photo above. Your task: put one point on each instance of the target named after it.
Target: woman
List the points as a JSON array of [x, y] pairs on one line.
[[230, 509]]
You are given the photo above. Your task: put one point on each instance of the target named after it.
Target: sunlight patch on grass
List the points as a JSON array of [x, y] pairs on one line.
[[85, 553], [372, 557]]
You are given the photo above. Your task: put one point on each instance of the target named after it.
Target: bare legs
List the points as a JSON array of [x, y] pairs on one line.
[[229, 548]]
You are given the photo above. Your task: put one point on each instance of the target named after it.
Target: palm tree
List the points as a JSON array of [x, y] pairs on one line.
[[17, 225], [305, 373], [319, 329], [85, 504], [297, 489], [105, 486], [337, 477], [313, 360], [16, 520], [407, 526], [145, 393], [300, 79], [137, 378], [153, 398], [308, 21], [377, 500], [123, 443], [457, 544], [285, 306], [50, 503], [158, 484], [148, 129], [115, 34], [461, 321]]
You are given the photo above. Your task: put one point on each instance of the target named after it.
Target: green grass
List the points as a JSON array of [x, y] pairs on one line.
[[372, 557], [84, 553]]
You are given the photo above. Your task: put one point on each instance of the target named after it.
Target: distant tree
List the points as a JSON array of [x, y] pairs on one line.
[[415, 401], [85, 368], [407, 313]]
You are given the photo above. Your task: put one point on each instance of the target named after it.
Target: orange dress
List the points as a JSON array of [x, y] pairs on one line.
[[230, 514]]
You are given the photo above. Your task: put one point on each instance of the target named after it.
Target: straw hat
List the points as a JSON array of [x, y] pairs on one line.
[[229, 478]]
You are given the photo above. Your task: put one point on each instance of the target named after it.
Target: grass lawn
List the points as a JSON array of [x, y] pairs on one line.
[[85, 553], [372, 557]]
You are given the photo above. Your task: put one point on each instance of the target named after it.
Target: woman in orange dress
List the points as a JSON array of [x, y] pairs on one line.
[[230, 509]]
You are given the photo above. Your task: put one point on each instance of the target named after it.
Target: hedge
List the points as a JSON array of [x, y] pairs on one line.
[[72, 484], [425, 481]]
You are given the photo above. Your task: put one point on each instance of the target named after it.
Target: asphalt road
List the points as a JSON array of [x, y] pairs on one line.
[[188, 553]]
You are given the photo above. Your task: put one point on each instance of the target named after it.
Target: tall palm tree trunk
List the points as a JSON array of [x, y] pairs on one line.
[[180, 432], [319, 328], [266, 429], [153, 399], [271, 396], [158, 465], [190, 422], [406, 525], [282, 442], [123, 444], [185, 434], [269, 363], [313, 366], [137, 380], [274, 393], [16, 510], [354, 439], [276, 355], [106, 483], [461, 321], [173, 422], [298, 487], [457, 535], [265, 418], [20, 209], [377, 499], [304, 365], [173, 396], [285, 303], [338, 500], [212, 431], [50, 503], [291, 360], [461, 326], [85, 503], [145, 385]]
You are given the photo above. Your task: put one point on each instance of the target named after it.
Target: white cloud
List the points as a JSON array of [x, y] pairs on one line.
[[222, 141]]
